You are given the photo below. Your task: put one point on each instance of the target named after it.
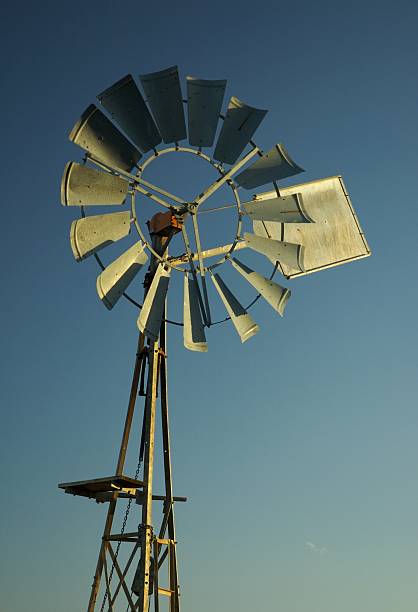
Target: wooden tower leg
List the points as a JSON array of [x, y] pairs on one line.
[[169, 505], [119, 470], [141, 583]]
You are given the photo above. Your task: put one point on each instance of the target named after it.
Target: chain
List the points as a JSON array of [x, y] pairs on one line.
[[122, 531]]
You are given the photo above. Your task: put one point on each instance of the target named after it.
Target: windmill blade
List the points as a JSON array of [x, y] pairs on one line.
[[151, 316], [164, 96], [204, 103], [276, 295], [82, 186], [115, 279], [284, 252], [285, 209], [124, 102], [239, 125], [91, 234], [243, 322], [94, 133], [273, 166], [193, 330]]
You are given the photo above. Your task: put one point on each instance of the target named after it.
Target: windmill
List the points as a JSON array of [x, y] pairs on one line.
[[301, 229]]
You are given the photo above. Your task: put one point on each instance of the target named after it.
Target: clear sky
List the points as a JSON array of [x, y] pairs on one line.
[[297, 450]]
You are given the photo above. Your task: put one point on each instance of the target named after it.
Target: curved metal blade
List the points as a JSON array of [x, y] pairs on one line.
[[115, 279], [276, 295], [94, 133], [91, 234], [151, 315], [285, 209], [273, 166], [82, 186], [204, 103], [243, 322], [287, 252], [164, 96], [124, 102], [193, 331], [240, 123]]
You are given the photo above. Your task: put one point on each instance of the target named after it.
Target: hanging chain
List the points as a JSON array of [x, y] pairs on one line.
[[122, 531]]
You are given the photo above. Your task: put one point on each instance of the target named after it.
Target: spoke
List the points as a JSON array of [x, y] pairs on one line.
[[206, 210], [193, 270], [201, 267], [209, 253], [159, 190], [153, 197], [223, 179], [140, 181]]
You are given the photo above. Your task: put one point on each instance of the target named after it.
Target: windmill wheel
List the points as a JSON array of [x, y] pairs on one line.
[[113, 173]]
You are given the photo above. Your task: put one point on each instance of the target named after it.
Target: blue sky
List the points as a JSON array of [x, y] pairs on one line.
[[298, 449]]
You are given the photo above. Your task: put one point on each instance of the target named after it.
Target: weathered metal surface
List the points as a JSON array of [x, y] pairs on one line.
[[163, 93], [286, 209], [116, 278], [124, 102], [91, 234], [204, 103], [336, 236], [151, 315], [273, 166], [286, 253], [193, 329], [240, 123], [242, 320], [83, 186], [94, 133], [276, 295]]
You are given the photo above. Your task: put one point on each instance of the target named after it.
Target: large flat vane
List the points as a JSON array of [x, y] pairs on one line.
[[334, 238]]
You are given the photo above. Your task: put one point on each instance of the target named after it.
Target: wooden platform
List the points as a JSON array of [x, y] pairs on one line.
[[97, 486]]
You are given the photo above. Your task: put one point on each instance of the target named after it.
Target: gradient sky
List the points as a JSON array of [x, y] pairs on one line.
[[298, 450]]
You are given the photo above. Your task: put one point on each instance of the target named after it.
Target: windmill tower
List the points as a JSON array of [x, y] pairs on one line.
[[301, 229]]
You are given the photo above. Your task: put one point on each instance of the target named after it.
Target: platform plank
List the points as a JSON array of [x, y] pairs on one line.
[[101, 485]]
